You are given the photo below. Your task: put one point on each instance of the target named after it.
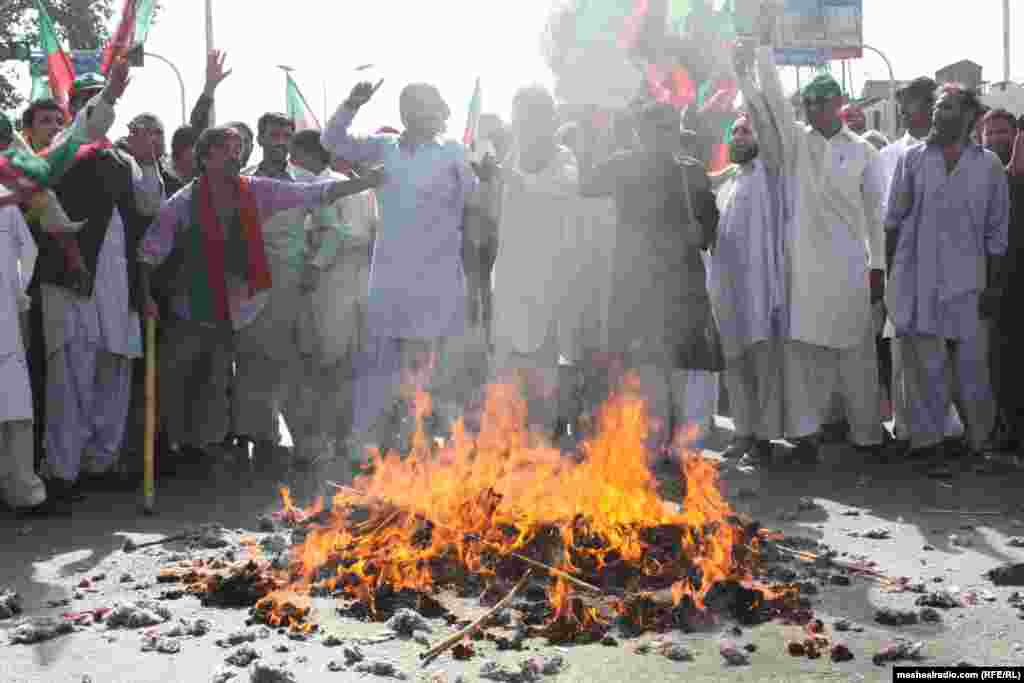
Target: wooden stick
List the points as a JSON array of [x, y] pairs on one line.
[[849, 566], [556, 572], [967, 513], [149, 442], [431, 654]]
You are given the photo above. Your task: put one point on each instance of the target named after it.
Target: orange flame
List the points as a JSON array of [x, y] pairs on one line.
[[476, 500]]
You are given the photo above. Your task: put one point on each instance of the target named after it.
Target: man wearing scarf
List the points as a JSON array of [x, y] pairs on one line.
[[417, 293], [220, 221], [946, 234], [746, 287], [660, 321], [833, 258]]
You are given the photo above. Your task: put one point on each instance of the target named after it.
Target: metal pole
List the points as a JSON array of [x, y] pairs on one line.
[[1006, 41], [209, 48], [181, 83], [893, 124]]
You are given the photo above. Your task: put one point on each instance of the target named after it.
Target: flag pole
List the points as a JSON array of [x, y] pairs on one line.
[[209, 48]]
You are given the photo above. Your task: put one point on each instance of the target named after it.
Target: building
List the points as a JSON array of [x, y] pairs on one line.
[[1009, 96]]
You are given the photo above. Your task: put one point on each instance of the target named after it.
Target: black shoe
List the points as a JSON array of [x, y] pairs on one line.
[[51, 507], [64, 491], [806, 452], [111, 481], [739, 447]]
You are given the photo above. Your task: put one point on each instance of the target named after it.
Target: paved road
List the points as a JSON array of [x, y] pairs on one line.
[[43, 560]]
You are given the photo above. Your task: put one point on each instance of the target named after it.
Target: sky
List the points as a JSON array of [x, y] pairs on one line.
[[452, 42]]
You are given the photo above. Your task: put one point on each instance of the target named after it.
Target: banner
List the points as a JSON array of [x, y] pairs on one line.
[[812, 32]]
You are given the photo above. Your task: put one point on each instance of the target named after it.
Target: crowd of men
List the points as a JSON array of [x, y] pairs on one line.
[[824, 281]]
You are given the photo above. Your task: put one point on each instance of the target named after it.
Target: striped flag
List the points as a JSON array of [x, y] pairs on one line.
[[298, 109], [59, 67], [473, 118], [131, 32]]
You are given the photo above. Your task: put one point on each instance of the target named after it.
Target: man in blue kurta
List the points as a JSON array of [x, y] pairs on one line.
[[946, 233], [417, 295]]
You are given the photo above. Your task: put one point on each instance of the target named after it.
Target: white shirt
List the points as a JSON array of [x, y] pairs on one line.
[[889, 157]]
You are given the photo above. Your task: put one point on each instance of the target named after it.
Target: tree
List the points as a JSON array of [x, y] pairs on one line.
[[81, 23]]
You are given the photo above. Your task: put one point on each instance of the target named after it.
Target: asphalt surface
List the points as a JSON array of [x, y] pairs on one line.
[[45, 560]]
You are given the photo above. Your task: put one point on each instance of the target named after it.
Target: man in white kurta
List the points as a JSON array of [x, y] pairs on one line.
[[833, 249], [540, 188], [318, 395], [20, 488], [745, 282]]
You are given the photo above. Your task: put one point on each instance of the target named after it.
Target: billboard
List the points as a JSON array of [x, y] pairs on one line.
[[816, 31]]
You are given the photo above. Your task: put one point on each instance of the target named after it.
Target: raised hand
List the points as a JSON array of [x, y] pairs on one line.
[[361, 94], [117, 80], [488, 169], [215, 72]]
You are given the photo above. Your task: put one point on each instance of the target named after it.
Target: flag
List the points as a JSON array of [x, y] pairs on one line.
[[131, 31], [473, 118], [298, 110], [59, 67]]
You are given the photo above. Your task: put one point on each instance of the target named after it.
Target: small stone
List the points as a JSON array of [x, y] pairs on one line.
[[840, 653], [380, 668], [732, 655], [960, 541], [841, 625], [840, 580], [77, 595], [796, 649], [750, 647], [298, 636], [675, 652], [140, 614], [332, 641], [878, 534], [10, 604], [126, 578], [282, 648], [930, 615], [609, 641], [899, 650], [353, 655], [928, 547], [553, 665], [243, 656], [224, 676], [265, 673], [335, 666], [99, 577], [895, 617], [463, 651], [406, 622], [940, 599], [851, 513], [39, 629], [165, 646], [1016, 542]]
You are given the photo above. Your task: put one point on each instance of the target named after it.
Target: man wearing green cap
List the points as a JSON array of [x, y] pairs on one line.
[[834, 257]]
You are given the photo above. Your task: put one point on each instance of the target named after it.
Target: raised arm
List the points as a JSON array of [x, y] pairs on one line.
[[273, 196], [215, 73], [338, 139], [772, 113]]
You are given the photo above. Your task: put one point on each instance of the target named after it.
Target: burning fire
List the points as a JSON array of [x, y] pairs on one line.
[[472, 507]]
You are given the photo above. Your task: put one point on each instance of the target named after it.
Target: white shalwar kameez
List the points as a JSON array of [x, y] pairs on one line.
[[832, 236], [19, 485]]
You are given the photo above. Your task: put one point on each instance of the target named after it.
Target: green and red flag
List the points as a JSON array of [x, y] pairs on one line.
[[59, 67], [298, 109], [473, 118], [131, 33]]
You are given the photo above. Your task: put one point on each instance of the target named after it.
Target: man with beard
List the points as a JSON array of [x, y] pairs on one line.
[[946, 234], [999, 132], [746, 288], [660, 320], [853, 116], [221, 222], [833, 258], [417, 294]]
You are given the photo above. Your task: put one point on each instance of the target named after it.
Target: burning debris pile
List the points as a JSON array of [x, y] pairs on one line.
[[479, 514]]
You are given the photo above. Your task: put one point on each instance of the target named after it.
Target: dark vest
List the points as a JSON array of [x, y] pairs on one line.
[[90, 191]]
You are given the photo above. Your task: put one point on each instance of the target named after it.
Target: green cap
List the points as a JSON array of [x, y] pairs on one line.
[[822, 87], [89, 81]]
